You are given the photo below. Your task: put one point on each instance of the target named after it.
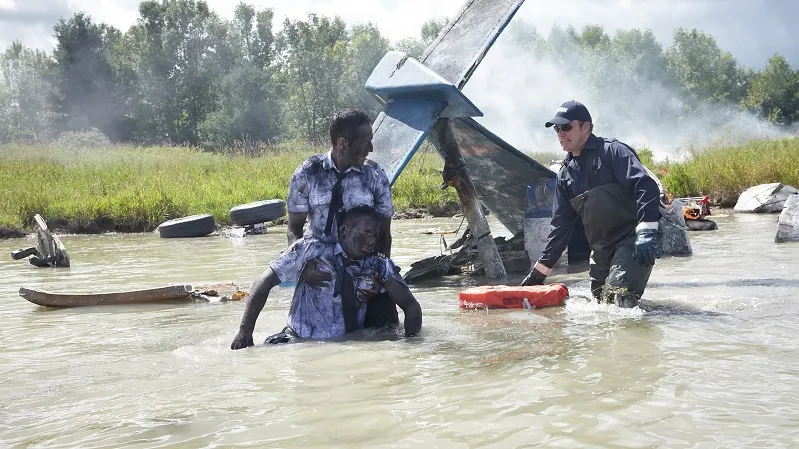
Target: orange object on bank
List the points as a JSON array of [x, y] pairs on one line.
[[512, 297]]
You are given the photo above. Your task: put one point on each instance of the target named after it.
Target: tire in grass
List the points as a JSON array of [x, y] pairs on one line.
[[257, 212], [191, 226]]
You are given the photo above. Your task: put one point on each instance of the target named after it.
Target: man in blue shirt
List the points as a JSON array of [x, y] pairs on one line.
[[342, 179], [602, 182], [334, 308]]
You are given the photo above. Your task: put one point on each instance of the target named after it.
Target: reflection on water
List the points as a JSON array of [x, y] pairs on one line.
[[712, 361]]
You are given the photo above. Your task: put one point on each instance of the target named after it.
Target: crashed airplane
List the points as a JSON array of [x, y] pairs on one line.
[[424, 100]]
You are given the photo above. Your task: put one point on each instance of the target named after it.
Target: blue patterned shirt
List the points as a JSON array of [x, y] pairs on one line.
[[315, 312], [311, 188]]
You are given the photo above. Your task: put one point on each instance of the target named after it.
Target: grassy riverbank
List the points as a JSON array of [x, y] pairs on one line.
[[724, 172], [126, 188]]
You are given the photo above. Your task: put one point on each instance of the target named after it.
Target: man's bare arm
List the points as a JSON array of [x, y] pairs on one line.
[[296, 224], [255, 303], [401, 295]]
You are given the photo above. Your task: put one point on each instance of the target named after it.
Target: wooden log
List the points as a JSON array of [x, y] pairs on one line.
[[49, 299]]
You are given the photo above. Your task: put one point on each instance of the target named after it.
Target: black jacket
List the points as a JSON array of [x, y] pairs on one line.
[[616, 163]]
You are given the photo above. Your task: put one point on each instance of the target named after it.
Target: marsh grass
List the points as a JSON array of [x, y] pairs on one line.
[[129, 188], [724, 172]]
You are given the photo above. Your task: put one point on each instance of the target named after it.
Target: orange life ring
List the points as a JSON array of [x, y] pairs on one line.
[[512, 297]]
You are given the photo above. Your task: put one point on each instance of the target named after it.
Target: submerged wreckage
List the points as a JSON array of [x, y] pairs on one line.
[[48, 252], [424, 100]]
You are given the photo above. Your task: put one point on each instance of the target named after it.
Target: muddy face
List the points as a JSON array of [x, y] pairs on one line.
[[359, 236], [359, 148]]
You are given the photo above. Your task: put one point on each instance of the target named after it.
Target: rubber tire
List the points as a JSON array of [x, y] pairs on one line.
[[257, 212], [191, 226]]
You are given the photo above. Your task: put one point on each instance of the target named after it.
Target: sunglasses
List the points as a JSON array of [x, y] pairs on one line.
[[565, 128]]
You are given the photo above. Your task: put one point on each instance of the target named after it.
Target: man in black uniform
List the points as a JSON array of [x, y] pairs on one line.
[[602, 182]]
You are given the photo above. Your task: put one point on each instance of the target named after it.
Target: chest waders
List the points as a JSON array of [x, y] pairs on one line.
[[609, 216]]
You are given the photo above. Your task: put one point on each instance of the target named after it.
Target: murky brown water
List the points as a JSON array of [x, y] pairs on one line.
[[714, 364]]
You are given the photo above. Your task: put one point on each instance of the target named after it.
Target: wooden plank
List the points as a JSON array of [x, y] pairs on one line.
[[49, 299]]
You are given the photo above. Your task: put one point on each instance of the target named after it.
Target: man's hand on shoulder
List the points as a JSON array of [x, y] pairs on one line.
[[242, 340], [317, 273]]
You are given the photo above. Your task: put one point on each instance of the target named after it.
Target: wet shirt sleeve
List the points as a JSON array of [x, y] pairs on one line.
[[629, 171], [388, 270], [384, 203], [374, 273], [289, 263], [563, 218], [299, 191]]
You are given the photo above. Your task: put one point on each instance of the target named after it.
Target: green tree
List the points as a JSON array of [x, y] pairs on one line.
[[415, 47], [774, 94], [253, 32], [524, 36], [184, 45], [593, 37], [431, 29], [314, 58], [706, 73], [25, 86], [366, 47], [249, 99], [85, 94]]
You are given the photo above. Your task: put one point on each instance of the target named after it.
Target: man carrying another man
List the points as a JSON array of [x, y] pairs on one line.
[[334, 308], [343, 178], [602, 182]]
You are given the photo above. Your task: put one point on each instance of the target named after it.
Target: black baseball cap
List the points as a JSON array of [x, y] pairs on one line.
[[571, 110]]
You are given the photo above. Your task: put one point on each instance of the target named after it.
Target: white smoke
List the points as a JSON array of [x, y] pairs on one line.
[[518, 92]]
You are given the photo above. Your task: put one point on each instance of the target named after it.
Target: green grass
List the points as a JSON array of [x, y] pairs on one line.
[[128, 188], [724, 172]]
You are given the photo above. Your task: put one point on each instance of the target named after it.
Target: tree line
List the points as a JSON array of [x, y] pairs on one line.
[[183, 75]]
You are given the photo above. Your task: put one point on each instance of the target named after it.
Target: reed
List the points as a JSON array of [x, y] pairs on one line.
[[130, 188], [724, 172]]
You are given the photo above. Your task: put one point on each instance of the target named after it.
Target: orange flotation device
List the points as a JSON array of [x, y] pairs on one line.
[[512, 297]]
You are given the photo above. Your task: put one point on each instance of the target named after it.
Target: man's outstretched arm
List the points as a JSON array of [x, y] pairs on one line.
[[255, 303], [401, 295]]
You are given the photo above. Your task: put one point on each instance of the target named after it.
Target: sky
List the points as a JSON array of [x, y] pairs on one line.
[[751, 29], [516, 102]]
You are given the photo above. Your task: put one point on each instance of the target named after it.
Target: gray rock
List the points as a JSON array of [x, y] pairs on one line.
[[788, 226], [764, 198], [672, 232]]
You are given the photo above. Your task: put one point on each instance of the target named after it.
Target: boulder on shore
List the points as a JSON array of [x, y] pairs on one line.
[[764, 198], [672, 231], [788, 226]]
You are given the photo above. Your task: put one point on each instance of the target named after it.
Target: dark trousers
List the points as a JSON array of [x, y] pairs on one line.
[[616, 277], [380, 311]]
